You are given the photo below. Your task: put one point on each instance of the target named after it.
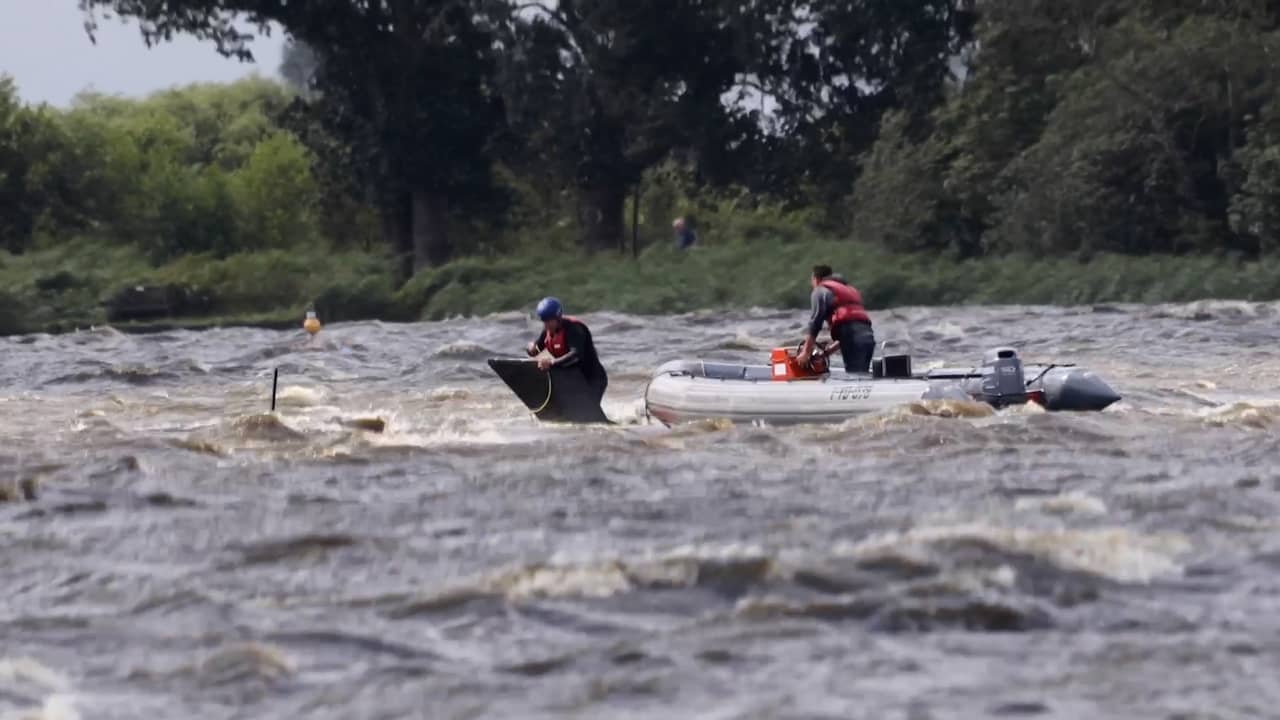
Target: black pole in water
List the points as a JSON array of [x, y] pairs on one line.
[[274, 377]]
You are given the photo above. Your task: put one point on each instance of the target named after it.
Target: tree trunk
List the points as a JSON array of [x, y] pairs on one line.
[[395, 232], [635, 222], [431, 246], [601, 216]]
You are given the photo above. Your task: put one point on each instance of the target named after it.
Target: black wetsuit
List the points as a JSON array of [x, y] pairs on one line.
[[577, 337]]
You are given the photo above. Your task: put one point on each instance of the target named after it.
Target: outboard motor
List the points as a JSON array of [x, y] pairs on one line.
[[1003, 382], [892, 365]]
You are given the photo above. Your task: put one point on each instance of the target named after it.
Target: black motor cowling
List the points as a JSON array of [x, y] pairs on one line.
[[1003, 381], [896, 364]]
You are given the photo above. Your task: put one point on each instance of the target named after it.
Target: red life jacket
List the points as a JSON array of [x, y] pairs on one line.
[[848, 305], [554, 341]]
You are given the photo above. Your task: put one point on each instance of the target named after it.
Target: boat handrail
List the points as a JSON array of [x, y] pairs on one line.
[[895, 342]]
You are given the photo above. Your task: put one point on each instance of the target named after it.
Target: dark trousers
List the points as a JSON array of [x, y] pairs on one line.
[[857, 345]]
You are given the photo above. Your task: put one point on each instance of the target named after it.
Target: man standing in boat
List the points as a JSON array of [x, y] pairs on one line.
[[568, 341], [839, 305]]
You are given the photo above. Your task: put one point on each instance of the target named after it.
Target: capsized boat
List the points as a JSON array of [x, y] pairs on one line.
[[554, 395], [783, 393]]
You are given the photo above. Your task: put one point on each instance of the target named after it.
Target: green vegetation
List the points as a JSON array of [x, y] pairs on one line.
[[424, 159], [69, 286], [765, 274], [196, 191], [273, 287]]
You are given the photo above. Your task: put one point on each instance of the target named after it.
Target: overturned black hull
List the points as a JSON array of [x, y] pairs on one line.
[[559, 395]]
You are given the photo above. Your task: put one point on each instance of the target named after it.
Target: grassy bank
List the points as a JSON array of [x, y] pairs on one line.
[[71, 285], [768, 274], [68, 286]]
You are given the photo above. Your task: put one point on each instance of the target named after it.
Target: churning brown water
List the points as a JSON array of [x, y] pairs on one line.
[[401, 539]]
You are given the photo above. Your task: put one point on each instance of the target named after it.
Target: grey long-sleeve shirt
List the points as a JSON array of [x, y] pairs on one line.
[[821, 303]]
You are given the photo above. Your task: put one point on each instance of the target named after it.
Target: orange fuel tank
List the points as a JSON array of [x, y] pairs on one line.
[[785, 367]]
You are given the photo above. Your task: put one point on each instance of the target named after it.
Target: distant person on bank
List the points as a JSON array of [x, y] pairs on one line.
[[569, 342], [686, 236], [839, 305]]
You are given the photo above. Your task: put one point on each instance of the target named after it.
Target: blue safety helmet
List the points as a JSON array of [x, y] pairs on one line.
[[549, 308]]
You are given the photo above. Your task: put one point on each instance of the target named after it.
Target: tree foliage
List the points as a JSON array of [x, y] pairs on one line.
[[838, 67], [405, 84], [42, 173], [446, 127], [599, 91], [1090, 126], [203, 169]]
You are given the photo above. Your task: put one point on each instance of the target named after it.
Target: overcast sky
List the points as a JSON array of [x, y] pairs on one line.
[[43, 45]]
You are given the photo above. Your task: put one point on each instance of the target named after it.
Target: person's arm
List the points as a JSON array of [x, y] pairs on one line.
[[566, 358], [820, 307], [575, 339], [538, 345]]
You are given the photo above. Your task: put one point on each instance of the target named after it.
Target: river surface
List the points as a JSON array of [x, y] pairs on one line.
[[400, 539]]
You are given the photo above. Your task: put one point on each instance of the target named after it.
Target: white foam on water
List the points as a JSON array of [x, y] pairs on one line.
[[31, 671], [587, 575], [54, 707], [1256, 414], [244, 661], [1072, 503], [466, 431], [1117, 553], [461, 349], [300, 395], [27, 675], [628, 411], [448, 393], [577, 581]]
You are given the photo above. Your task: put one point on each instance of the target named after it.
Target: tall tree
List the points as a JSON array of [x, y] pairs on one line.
[[405, 81], [842, 66], [48, 180], [18, 126], [604, 89], [1092, 126]]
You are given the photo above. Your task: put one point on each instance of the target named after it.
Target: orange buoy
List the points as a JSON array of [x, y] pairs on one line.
[[312, 323]]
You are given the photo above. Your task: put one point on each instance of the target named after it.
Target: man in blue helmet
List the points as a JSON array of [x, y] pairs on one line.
[[568, 341]]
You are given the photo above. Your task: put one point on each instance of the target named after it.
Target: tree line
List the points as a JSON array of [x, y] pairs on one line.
[[972, 127], [1090, 126], [204, 169], [423, 100]]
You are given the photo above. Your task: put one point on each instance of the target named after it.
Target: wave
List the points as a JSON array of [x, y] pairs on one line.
[[463, 351], [245, 662], [293, 548], [129, 374], [45, 692], [264, 427], [1242, 414], [973, 577]]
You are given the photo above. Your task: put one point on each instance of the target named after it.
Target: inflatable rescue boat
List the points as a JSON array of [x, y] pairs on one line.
[[783, 392]]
